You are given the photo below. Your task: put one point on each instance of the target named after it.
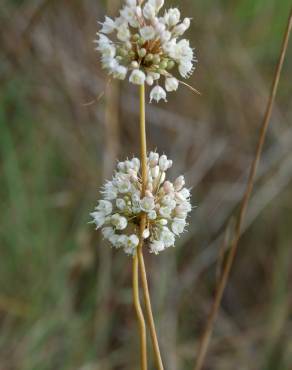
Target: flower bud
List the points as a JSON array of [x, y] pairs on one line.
[[171, 84], [149, 80], [119, 222], [179, 183], [163, 163], [149, 11], [155, 171], [168, 187], [142, 52], [153, 159], [152, 215]]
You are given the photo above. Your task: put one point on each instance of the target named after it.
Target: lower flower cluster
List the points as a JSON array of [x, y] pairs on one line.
[[166, 205]]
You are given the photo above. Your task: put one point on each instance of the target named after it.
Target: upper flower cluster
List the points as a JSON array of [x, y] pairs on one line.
[[146, 45], [165, 204]]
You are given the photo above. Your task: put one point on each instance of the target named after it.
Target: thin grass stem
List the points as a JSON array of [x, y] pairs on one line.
[[206, 336]]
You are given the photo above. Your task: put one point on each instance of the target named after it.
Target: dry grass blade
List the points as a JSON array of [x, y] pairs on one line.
[[205, 338]]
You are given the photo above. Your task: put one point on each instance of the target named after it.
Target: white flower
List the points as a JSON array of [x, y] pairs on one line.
[[164, 163], [155, 76], [133, 241], [185, 193], [169, 202], [153, 159], [164, 204], [157, 246], [121, 204], [168, 187], [105, 207], [110, 63], [108, 26], [135, 164], [146, 41], [132, 244], [147, 32], [110, 191], [178, 226], [149, 11], [137, 77], [124, 185], [179, 30], [107, 232], [163, 222], [165, 36], [119, 222], [108, 51], [128, 13], [158, 4], [98, 219], [114, 240], [157, 94], [165, 212], [171, 84], [123, 32], [183, 209], [131, 3], [167, 237], [187, 23], [120, 72], [103, 42], [149, 80], [172, 17], [155, 171], [147, 204], [152, 215], [122, 241], [179, 183], [185, 69]]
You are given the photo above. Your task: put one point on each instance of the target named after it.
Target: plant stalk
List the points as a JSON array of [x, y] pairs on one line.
[[206, 336], [149, 313], [139, 313]]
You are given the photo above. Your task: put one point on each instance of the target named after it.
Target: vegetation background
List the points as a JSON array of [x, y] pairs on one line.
[[65, 297]]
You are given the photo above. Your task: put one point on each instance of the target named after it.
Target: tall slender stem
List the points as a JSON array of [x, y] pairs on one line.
[[143, 143], [140, 316], [150, 319], [149, 314], [206, 336]]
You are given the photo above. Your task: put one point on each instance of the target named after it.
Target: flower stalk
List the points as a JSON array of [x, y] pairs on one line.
[[149, 313], [139, 313]]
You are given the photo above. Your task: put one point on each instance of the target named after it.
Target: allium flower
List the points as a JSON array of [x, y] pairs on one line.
[[146, 44], [165, 204]]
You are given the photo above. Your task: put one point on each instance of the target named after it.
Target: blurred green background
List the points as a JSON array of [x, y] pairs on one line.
[[65, 296]]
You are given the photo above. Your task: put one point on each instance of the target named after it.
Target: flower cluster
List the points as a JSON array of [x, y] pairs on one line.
[[165, 204], [146, 45]]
